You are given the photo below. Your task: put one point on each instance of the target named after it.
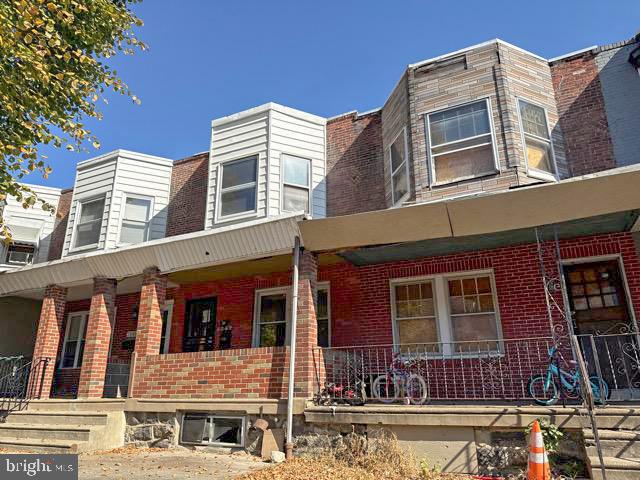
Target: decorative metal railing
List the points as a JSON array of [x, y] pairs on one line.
[[8, 365], [24, 383], [616, 359], [488, 370]]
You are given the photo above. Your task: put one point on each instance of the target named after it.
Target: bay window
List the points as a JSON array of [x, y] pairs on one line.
[[296, 184], [447, 313], [136, 219], [536, 138], [399, 168], [88, 223], [461, 143], [238, 186]]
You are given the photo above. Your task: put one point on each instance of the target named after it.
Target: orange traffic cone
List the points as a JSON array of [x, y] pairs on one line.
[[538, 461]]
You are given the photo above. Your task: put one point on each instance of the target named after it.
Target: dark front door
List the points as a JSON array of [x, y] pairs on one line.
[[200, 325], [597, 298], [602, 322]]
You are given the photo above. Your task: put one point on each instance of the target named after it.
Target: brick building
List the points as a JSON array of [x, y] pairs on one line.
[[486, 212]]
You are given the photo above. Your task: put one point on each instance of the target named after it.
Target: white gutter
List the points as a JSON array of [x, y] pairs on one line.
[[246, 241]]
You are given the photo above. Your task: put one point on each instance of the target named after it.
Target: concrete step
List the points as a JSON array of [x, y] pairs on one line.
[[34, 417], [622, 421], [35, 446], [616, 468], [51, 432], [615, 443]]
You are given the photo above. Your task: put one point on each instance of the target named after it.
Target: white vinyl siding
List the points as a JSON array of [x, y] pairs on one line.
[[114, 176], [34, 218], [268, 132]]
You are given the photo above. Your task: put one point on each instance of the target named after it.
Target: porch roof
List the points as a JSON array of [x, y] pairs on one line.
[[242, 242], [604, 202]]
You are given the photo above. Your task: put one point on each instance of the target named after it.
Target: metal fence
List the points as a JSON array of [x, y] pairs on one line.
[[495, 370], [616, 359]]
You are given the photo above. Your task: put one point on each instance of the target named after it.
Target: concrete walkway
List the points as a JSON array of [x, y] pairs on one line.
[[159, 464]]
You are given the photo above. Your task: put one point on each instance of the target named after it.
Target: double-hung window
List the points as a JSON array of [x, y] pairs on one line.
[[461, 143], [238, 187], [450, 313], [399, 168], [296, 184], [271, 328], [415, 312], [473, 311], [74, 337], [537, 140], [136, 219], [88, 223]]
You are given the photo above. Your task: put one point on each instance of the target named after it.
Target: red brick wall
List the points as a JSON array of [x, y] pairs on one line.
[[235, 303], [188, 198], [583, 118], [355, 173], [360, 296], [243, 373], [60, 228]]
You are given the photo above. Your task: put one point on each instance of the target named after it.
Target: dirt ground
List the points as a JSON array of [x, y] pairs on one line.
[[163, 464]]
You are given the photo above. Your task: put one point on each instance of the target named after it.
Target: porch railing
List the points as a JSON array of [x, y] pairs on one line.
[[22, 384], [616, 359], [488, 370]]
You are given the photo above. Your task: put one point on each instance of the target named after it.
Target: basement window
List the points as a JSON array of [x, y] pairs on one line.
[[461, 143], [536, 138], [206, 429]]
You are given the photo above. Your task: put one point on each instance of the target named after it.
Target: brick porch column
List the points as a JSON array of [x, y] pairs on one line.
[[152, 298], [307, 326], [48, 338], [96, 346]]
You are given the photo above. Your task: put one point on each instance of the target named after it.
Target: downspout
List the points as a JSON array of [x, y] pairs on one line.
[[292, 349]]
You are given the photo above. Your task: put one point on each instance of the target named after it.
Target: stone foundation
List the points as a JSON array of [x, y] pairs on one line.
[[158, 430]]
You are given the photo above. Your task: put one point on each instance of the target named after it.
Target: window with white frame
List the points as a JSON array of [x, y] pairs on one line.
[[20, 254], [296, 184], [165, 335], [271, 326], [536, 137], [414, 310], [88, 223], [136, 219], [222, 430], [74, 338], [238, 187], [461, 142], [472, 309], [323, 316], [399, 167], [458, 310]]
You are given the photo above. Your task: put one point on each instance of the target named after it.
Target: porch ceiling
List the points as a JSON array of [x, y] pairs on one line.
[[615, 222]]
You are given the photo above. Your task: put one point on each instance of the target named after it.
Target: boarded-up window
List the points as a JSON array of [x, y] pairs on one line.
[[473, 312], [461, 143], [537, 141], [415, 313]]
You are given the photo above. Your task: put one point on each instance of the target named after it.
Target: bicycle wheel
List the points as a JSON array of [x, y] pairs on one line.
[[384, 389], [599, 397], [416, 389], [542, 394]]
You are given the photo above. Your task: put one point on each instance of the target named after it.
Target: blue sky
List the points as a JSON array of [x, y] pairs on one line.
[[210, 58]]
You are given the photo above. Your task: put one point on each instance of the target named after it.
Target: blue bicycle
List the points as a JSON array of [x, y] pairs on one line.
[[546, 389]]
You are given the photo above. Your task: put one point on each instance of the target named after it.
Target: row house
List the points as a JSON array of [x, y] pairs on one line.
[[433, 250]]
